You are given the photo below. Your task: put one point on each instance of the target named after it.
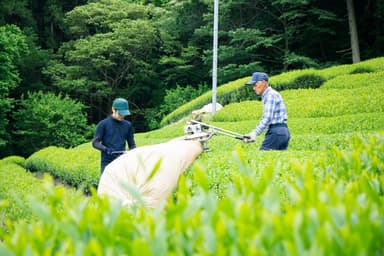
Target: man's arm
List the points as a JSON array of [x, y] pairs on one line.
[[96, 143], [268, 109], [131, 139]]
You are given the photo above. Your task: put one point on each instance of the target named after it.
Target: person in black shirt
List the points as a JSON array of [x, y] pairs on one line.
[[113, 132]]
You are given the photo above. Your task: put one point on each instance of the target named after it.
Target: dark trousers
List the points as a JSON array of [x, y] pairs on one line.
[[102, 166], [105, 160], [276, 138]]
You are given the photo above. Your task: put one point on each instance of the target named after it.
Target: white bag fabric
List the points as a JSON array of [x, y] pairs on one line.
[[209, 108], [132, 171], [206, 109]]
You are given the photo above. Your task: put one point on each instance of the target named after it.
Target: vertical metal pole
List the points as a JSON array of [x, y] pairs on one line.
[[214, 62], [353, 32]]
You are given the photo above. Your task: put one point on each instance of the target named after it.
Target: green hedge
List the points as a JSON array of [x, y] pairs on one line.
[[371, 65], [297, 79], [321, 204], [355, 81], [78, 167], [17, 185], [311, 103], [306, 78]]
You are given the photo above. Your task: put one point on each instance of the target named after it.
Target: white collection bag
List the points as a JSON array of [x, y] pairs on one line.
[[149, 172]]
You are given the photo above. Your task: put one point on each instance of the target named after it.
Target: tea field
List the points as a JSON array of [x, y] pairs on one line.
[[323, 196]]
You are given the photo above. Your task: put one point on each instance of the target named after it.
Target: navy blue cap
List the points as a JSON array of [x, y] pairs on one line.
[[257, 76]]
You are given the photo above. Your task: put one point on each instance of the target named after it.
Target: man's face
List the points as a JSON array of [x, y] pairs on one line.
[[116, 115], [259, 87]]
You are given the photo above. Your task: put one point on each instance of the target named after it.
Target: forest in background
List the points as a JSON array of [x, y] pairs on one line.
[[63, 62]]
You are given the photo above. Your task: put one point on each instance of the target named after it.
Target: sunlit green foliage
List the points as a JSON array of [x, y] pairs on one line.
[[356, 81], [49, 119], [12, 47], [307, 78], [373, 65], [317, 205], [77, 167], [17, 186], [320, 197]]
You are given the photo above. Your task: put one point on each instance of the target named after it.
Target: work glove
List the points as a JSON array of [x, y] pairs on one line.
[[109, 151], [250, 137]]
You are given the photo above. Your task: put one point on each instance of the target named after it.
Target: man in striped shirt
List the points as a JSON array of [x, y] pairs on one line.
[[274, 118]]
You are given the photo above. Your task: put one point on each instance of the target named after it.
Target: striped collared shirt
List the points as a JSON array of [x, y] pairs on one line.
[[274, 110]]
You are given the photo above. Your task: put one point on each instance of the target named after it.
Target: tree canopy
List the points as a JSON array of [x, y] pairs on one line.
[[12, 47]]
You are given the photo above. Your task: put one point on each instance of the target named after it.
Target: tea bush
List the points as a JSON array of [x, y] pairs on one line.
[[297, 79], [77, 167], [319, 205], [17, 185], [311, 103], [356, 81], [307, 78], [373, 65]]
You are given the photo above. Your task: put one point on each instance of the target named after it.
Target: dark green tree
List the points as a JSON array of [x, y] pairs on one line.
[[49, 17], [46, 119], [12, 47], [181, 61], [268, 35], [17, 13], [113, 54], [370, 20]]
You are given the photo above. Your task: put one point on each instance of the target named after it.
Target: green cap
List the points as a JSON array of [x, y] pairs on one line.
[[121, 106]]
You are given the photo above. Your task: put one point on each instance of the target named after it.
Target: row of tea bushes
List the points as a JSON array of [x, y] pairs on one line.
[[298, 142], [77, 167], [361, 81], [220, 165], [330, 204], [306, 78], [311, 103], [367, 66], [365, 122], [17, 185]]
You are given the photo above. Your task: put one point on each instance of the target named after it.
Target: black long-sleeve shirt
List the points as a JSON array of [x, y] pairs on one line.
[[113, 134]]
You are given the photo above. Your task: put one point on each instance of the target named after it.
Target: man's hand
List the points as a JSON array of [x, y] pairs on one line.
[[250, 137], [109, 151]]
